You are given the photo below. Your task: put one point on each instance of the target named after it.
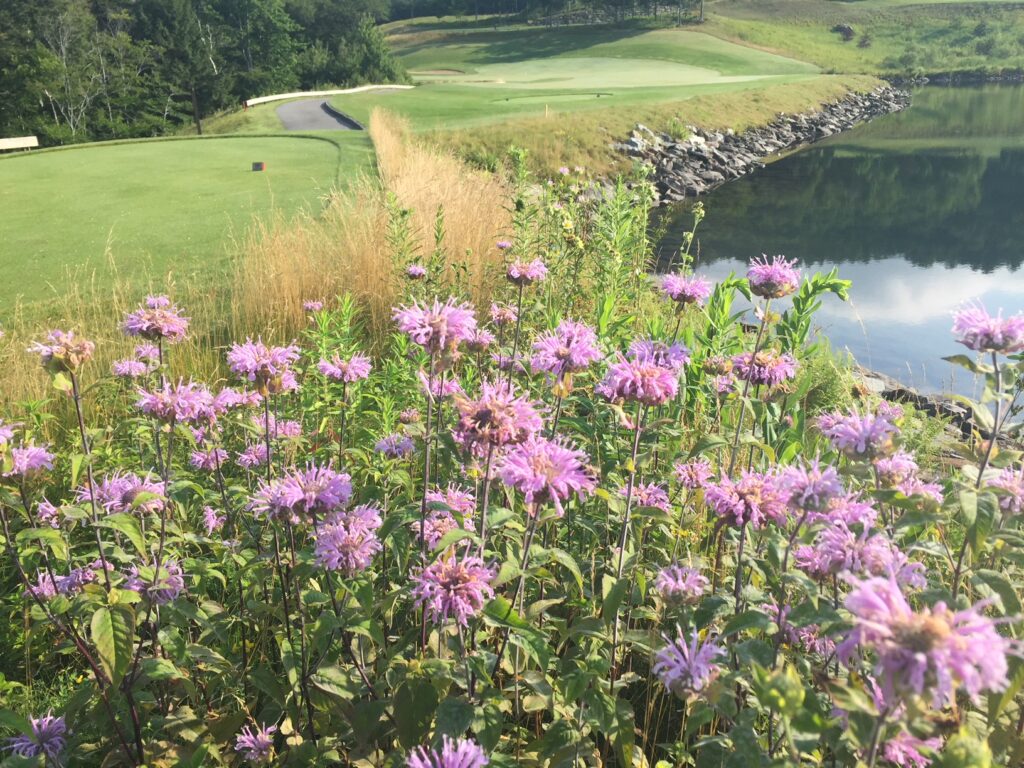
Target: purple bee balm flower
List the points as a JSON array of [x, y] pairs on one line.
[[313, 305], [896, 469], [1011, 484], [209, 460], [157, 319], [639, 381], [73, 583], [27, 460], [756, 498], [453, 587], [507, 363], [724, 385], [440, 388], [915, 487], [48, 514], [503, 245], [693, 474], [681, 584], [649, 495], [480, 340], [148, 353], [672, 356], [284, 428], [907, 751], [185, 402], [254, 455], [685, 289], [570, 348], [409, 416], [438, 328], [837, 550], [356, 368], [978, 330], [269, 368], [44, 588], [564, 170], [773, 278], [415, 272], [503, 314], [6, 433], [212, 520], [395, 446], [168, 585], [348, 544], [256, 743], [526, 272], [498, 417], [811, 488], [48, 738], [849, 509], [687, 668], [314, 491], [934, 650], [126, 492], [456, 499], [230, 398], [807, 637], [130, 369], [62, 352], [461, 753], [859, 437], [547, 470], [765, 369], [439, 523]]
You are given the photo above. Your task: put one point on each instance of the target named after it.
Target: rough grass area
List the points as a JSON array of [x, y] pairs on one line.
[[153, 207], [890, 37]]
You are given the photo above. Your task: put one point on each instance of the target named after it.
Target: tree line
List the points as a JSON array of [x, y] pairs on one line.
[[553, 11], [86, 70]]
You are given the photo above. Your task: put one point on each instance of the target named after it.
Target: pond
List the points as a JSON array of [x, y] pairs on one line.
[[922, 210]]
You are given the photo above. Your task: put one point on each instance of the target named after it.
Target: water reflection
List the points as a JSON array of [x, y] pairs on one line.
[[922, 210]]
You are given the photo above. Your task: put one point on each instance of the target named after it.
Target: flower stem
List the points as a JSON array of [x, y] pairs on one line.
[[87, 452], [746, 387]]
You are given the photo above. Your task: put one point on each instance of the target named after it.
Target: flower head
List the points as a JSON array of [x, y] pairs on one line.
[[756, 498], [685, 289], [907, 751], [978, 330], [453, 587], [130, 368], [681, 584], [166, 584], [27, 460], [314, 490], [62, 352], [810, 487], [313, 305], [126, 492], [859, 437], [185, 402], [269, 368], [693, 474], [48, 737], [458, 505], [438, 328], [934, 650], [686, 668], [480, 340], [254, 455], [896, 469], [209, 459], [672, 356], [356, 368], [503, 314], [461, 753], [395, 446], [415, 272], [570, 348], [639, 380], [765, 369], [649, 495], [773, 278], [1011, 482], [348, 542], [256, 743], [547, 470], [498, 417], [212, 520], [157, 319], [526, 272]]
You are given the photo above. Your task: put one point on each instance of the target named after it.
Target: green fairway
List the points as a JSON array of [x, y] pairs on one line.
[[155, 206]]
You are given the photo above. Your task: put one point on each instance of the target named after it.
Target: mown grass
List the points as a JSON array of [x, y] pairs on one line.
[[151, 208], [890, 36]]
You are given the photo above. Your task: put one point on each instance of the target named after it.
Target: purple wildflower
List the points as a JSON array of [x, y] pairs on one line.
[[409, 416], [687, 668], [314, 490], [649, 495], [453, 587], [774, 278], [480, 340], [168, 585], [48, 738], [185, 402], [693, 474], [934, 650], [1011, 484], [461, 753], [978, 330], [27, 460], [61, 351], [672, 356], [681, 584], [415, 271], [48, 514], [254, 455], [498, 417], [6, 433], [639, 381], [807, 637], [440, 388], [526, 272], [269, 368], [212, 520], [503, 245], [348, 543], [157, 319], [438, 328], [685, 289], [230, 398], [547, 470], [126, 492], [896, 469], [209, 460], [811, 488], [570, 348], [859, 437], [756, 498], [395, 446], [313, 305], [905, 750], [503, 314], [765, 369], [256, 743], [130, 368], [356, 368], [44, 588]]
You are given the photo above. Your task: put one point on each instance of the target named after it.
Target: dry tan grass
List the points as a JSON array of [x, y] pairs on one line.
[[282, 262]]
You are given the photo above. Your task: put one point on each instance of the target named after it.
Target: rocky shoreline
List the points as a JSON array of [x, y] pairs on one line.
[[705, 160]]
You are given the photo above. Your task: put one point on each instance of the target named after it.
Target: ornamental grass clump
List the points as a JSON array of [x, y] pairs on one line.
[[579, 518]]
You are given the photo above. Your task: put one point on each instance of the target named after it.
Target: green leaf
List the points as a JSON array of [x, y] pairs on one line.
[[454, 717], [333, 681], [613, 599], [567, 560], [969, 363], [415, 705], [113, 633], [14, 721], [624, 736], [745, 621], [127, 524], [76, 467], [1000, 584], [708, 443]]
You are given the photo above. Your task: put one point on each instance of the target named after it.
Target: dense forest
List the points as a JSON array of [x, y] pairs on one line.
[[84, 70]]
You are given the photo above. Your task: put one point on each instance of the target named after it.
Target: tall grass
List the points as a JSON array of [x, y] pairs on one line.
[[281, 262]]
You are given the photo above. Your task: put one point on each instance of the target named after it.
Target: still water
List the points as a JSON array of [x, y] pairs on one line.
[[922, 210]]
